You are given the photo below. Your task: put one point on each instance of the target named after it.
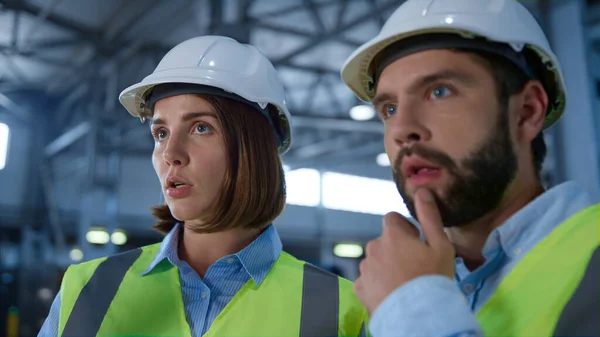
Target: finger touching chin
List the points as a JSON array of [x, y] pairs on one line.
[[392, 218], [358, 287], [362, 267]]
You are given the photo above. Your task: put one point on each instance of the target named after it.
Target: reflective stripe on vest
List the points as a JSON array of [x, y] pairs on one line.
[[319, 312], [320, 298], [531, 298], [95, 298], [581, 316]]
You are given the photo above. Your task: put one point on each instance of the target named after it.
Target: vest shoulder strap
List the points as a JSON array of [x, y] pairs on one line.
[[581, 316], [96, 296], [329, 299], [525, 302]]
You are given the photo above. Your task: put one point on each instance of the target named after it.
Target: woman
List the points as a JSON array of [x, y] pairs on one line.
[[219, 121]]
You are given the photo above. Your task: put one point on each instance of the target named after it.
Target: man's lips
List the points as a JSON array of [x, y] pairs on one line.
[[417, 172], [414, 166]]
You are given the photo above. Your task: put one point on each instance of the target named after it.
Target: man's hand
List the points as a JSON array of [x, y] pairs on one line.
[[398, 256]]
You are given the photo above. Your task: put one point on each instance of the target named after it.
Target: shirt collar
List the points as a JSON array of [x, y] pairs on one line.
[[534, 221], [257, 258], [168, 250]]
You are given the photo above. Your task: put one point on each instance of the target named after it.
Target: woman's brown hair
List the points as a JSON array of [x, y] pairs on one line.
[[253, 192]]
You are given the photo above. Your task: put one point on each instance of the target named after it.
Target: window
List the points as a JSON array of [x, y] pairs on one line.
[[3, 144], [352, 193], [343, 192], [303, 187]]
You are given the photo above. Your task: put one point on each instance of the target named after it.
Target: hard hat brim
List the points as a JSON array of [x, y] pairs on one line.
[[134, 97], [356, 71]]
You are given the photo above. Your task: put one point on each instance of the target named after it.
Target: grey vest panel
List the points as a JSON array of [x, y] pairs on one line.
[[96, 296], [581, 315]]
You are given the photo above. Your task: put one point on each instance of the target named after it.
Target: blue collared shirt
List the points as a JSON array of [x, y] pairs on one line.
[[204, 298], [437, 306]]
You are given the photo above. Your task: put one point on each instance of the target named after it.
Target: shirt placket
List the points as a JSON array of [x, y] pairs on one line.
[[472, 284], [198, 299]]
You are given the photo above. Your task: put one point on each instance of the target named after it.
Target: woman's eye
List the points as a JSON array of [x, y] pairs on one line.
[[202, 128], [440, 92]]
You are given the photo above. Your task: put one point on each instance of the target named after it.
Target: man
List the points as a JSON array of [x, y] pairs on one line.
[[465, 89]]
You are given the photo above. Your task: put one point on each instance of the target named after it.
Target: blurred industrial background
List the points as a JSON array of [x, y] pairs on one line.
[[76, 179]]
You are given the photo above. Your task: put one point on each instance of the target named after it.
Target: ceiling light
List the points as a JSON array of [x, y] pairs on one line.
[[76, 254], [45, 294], [97, 236], [362, 112], [383, 159], [351, 250], [118, 237]]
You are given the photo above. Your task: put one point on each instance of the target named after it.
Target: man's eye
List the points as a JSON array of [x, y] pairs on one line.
[[440, 92]]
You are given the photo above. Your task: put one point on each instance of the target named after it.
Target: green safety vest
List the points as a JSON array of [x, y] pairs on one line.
[[553, 286], [109, 297]]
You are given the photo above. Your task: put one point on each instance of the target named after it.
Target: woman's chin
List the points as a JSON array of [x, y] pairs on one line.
[[184, 213]]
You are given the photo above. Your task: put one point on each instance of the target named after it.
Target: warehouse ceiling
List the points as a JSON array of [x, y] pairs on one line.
[[83, 53]]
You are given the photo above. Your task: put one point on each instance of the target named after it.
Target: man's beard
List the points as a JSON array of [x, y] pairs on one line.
[[477, 186]]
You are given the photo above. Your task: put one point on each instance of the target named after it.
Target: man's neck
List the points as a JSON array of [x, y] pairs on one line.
[[201, 250], [469, 239]]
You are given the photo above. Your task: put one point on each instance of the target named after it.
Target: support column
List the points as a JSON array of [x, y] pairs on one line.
[[576, 140]]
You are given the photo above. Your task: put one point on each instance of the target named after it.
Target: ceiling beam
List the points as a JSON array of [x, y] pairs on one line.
[[66, 139], [15, 109], [380, 18], [85, 32], [341, 13], [298, 32], [336, 32], [322, 147], [290, 9], [314, 69], [314, 14], [338, 124], [340, 157]]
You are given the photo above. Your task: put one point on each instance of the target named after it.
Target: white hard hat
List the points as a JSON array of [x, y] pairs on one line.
[[220, 62], [504, 22]]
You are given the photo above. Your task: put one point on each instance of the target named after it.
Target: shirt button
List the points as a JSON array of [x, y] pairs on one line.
[[204, 294], [468, 288], [230, 260], [517, 251]]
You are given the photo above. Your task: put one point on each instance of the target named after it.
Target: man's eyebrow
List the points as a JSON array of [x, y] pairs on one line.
[[446, 74], [425, 80], [380, 98]]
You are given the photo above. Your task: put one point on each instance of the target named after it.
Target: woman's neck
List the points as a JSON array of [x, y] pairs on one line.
[[201, 250]]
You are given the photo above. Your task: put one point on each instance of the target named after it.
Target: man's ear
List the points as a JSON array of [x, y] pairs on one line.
[[532, 106]]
